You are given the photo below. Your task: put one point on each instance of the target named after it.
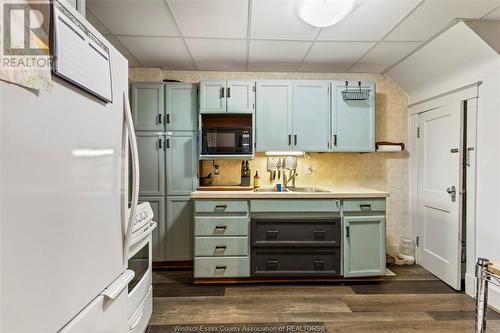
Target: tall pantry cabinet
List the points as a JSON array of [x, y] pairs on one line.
[[165, 117]]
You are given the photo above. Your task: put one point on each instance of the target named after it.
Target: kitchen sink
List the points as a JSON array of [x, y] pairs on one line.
[[267, 190], [307, 189]]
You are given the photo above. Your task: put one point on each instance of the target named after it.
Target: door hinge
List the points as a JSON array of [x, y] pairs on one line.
[[417, 241], [253, 88], [418, 132]]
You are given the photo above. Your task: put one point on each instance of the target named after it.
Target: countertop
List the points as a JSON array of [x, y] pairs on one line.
[[334, 193]]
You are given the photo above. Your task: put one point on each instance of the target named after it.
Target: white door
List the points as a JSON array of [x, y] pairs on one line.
[[439, 147]]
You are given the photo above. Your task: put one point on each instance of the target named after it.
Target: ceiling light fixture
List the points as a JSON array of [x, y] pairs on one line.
[[324, 13]]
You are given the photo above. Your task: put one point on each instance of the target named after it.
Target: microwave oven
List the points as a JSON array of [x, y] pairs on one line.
[[226, 141]]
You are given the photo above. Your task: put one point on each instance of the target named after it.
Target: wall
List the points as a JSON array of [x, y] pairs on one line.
[[384, 171], [457, 58]]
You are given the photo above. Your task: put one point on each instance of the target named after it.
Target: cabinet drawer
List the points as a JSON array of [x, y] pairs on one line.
[[369, 205], [221, 206], [220, 267], [221, 225], [294, 205], [296, 232], [295, 262], [221, 246]]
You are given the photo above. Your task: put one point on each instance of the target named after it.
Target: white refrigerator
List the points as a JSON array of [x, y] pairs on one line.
[[63, 207]]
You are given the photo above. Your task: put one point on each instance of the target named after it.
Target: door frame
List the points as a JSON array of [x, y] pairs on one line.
[[469, 93]]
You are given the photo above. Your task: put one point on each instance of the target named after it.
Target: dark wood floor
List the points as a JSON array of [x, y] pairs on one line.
[[412, 301]]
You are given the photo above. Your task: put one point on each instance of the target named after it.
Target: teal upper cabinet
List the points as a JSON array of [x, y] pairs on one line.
[[212, 96], [274, 115], [151, 148], [311, 116], [226, 96], [364, 245], [147, 106], [180, 107], [353, 121], [240, 96], [180, 150]]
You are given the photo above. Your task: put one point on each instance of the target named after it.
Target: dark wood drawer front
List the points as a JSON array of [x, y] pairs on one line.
[[295, 232], [295, 262]]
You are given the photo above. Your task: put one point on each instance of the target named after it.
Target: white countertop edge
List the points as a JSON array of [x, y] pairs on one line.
[[335, 193]]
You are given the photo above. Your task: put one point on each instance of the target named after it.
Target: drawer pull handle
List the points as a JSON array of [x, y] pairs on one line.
[[221, 227], [319, 234], [365, 207], [220, 247], [220, 207], [319, 264], [220, 267], [273, 234], [272, 264], [347, 231]]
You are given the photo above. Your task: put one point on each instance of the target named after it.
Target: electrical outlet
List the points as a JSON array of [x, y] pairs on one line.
[[216, 169], [308, 170]]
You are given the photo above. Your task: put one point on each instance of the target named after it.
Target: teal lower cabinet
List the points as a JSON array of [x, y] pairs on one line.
[[179, 229], [221, 267], [159, 234], [221, 239], [364, 245], [289, 238]]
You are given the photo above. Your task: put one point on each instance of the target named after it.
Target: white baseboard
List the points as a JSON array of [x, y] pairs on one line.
[[493, 292]]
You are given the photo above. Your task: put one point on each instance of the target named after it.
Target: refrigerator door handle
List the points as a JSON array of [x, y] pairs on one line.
[[135, 176]]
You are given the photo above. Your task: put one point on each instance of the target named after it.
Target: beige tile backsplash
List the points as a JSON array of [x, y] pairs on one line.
[[384, 171]]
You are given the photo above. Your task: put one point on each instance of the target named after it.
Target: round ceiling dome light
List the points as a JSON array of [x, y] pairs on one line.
[[324, 13]]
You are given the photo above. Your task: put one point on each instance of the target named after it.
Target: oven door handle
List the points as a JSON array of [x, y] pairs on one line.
[[117, 286], [146, 232]]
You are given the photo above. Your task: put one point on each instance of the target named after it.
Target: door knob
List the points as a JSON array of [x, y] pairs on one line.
[[452, 191]]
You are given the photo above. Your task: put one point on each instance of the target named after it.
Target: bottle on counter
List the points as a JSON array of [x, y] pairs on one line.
[[256, 180]]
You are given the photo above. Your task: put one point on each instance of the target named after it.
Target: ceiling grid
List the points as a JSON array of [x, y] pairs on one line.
[[268, 35]]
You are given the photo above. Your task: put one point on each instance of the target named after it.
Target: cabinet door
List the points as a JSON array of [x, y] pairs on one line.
[[274, 115], [181, 163], [180, 110], [147, 106], [240, 96], [311, 116], [353, 122], [159, 234], [364, 246], [179, 229], [212, 96], [151, 164]]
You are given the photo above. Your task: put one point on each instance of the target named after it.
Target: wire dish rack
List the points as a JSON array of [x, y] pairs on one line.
[[484, 277], [351, 93]]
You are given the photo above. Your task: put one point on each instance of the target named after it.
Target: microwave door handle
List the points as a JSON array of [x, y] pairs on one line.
[[134, 153]]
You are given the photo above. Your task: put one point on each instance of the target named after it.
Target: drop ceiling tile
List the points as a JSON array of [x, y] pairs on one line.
[[280, 56], [334, 57], [218, 54], [369, 21], [278, 19], [132, 59], [494, 14], [129, 17], [435, 15], [383, 55], [166, 52], [211, 18]]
